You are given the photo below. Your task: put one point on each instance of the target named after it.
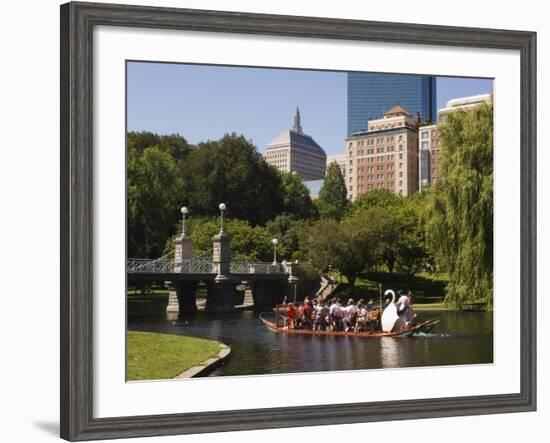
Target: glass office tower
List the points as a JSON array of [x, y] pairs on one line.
[[372, 94]]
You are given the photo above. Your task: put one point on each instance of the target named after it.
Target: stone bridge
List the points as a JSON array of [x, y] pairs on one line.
[[268, 282]]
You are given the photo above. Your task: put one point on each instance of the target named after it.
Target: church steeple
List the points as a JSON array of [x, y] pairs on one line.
[[297, 126]]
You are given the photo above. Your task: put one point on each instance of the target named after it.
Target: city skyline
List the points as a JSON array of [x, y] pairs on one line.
[[258, 103], [370, 95]]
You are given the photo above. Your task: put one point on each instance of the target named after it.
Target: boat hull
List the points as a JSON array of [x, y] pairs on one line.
[[420, 328]]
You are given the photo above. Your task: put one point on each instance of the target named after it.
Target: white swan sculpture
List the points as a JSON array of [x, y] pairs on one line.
[[389, 316]]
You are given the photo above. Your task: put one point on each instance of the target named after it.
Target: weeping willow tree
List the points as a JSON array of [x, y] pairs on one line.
[[459, 218]]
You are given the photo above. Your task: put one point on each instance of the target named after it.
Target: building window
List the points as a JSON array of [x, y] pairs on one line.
[[424, 135]]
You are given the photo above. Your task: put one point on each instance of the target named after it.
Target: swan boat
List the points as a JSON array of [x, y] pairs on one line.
[[388, 319]]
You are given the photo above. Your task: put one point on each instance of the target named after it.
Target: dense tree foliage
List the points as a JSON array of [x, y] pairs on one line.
[[351, 245], [287, 229], [401, 235], [378, 198], [174, 144], [232, 171], [459, 219], [411, 252], [154, 189], [297, 200], [333, 200], [247, 242]]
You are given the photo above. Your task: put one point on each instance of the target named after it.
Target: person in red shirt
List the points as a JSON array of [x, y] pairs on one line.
[[291, 315], [307, 311]]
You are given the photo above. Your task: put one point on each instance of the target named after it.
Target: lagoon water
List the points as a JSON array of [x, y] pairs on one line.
[[460, 338]]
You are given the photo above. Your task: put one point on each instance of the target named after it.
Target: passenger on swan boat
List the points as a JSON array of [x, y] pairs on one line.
[[291, 316], [360, 317], [321, 314], [350, 315], [405, 310], [336, 313], [306, 312]]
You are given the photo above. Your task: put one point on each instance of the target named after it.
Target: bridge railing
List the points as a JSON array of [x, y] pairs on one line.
[[194, 266], [139, 265], [256, 268]]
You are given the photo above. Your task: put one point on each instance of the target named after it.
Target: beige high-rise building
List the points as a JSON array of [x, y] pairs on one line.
[[294, 151], [428, 138], [384, 156], [429, 149], [463, 103]]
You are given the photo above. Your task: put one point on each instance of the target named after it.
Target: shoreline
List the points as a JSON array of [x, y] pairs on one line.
[[153, 355], [208, 365]]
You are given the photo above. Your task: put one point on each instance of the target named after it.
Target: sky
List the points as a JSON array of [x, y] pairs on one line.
[[205, 102]]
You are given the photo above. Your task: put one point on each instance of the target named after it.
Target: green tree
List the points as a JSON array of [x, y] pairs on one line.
[[364, 233], [378, 198], [321, 244], [333, 202], [297, 200], [154, 191], [350, 246], [412, 254], [173, 144], [400, 234], [232, 171], [459, 218], [287, 229], [247, 242]]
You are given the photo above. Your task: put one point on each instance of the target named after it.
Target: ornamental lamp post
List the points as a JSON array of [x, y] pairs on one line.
[[275, 242], [222, 208], [184, 212]]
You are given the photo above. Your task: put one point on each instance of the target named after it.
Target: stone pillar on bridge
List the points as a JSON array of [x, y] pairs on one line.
[[186, 296], [268, 293], [293, 279], [182, 253], [182, 297], [221, 292]]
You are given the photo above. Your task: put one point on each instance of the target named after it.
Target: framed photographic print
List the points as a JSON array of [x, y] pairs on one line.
[[273, 221]]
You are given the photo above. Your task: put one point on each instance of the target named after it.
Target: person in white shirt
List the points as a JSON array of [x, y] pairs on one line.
[[404, 309], [335, 313], [350, 314], [321, 315]]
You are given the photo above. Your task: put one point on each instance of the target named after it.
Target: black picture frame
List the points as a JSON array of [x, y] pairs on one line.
[[77, 23]]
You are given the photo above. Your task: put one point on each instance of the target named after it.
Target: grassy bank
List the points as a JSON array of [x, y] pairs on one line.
[[428, 289], [153, 356], [151, 292], [432, 307]]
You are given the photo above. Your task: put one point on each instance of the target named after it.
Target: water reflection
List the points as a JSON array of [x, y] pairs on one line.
[[460, 338], [389, 352]]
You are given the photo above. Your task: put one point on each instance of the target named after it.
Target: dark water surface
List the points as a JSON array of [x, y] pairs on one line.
[[460, 338]]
